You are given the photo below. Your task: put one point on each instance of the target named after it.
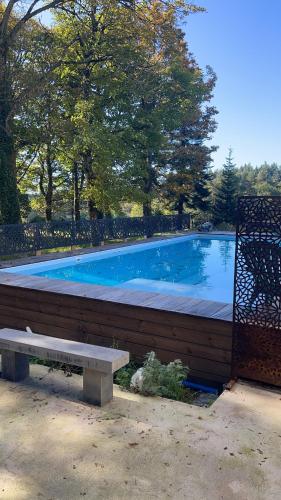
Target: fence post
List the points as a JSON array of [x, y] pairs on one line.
[[37, 241], [148, 226], [73, 234], [92, 232], [179, 222]]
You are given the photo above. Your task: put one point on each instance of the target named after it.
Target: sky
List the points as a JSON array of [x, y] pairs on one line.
[[241, 40]]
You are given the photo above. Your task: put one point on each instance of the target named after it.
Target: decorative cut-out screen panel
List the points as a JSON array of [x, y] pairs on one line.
[[257, 290]]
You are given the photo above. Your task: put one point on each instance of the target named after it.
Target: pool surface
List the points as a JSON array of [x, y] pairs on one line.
[[198, 266]]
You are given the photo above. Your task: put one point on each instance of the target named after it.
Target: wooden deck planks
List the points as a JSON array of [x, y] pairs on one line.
[[195, 307], [197, 331], [119, 309]]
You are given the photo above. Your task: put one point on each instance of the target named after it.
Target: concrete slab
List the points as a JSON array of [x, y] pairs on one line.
[[55, 447]]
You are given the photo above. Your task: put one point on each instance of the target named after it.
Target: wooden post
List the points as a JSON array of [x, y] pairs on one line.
[[97, 387], [15, 365]]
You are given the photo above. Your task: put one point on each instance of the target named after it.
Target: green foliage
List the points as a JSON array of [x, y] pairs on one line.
[[9, 202], [264, 180], [224, 208], [22, 46], [56, 365], [107, 108], [225, 226], [152, 371], [198, 218], [102, 92], [164, 380], [186, 180], [123, 376], [158, 379], [25, 207]]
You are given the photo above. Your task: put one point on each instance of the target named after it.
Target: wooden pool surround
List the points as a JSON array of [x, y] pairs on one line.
[[199, 332]]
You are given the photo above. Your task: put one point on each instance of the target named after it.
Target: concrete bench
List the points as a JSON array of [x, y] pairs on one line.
[[99, 363]]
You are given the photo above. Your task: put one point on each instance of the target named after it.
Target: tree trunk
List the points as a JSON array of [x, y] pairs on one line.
[[146, 208], [180, 209], [147, 187], [76, 192], [49, 209], [87, 157], [180, 206], [9, 201], [48, 191], [50, 186], [93, 211]]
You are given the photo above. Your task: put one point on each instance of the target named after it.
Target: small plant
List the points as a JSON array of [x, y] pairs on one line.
[[164, 380], [151, 374], [156, 379], [123, 376], [171, 378]]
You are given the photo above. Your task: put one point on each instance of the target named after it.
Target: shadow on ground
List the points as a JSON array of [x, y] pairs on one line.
[[54, 446]]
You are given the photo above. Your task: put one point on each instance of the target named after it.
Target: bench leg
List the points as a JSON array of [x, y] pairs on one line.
[[97, 387], [15, 366]]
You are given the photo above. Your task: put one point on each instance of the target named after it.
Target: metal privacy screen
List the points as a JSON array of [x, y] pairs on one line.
[[257, 290]]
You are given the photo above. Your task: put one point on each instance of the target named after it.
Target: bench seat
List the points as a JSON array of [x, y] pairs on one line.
[[98, 363]]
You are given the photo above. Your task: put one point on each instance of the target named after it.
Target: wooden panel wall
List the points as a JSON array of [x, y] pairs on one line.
[[203, 344]]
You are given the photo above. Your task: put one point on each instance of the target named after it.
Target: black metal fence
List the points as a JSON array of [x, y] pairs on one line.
[[25, 238], [257, 297]]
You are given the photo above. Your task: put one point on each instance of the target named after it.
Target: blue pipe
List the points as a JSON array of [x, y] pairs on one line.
[[200, 387]]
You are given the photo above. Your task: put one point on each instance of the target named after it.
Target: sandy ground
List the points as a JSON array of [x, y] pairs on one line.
[[55, 447]]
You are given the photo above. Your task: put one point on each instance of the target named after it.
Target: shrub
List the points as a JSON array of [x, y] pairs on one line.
[[164, 380], [157, 379], [225, 226], [171, 378], [123, 376]]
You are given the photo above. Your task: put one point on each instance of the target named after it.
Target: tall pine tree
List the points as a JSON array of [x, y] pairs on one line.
[[188, 175], [226, 194]]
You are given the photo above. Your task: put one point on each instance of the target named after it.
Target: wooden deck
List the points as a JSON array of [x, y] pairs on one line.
[[199, 332]]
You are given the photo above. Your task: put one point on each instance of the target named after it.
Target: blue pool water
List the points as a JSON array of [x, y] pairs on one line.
[[197, 266]]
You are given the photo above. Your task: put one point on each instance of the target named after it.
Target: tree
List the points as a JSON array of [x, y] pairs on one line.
[[226, 194], [268, 180], [43, 128], [15, 29], [186, 182], [100, 93], [95, 76], [162, 94], [200, 197], [246, 180]]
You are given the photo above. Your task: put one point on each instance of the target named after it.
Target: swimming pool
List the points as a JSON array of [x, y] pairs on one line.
[[198, 266]]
